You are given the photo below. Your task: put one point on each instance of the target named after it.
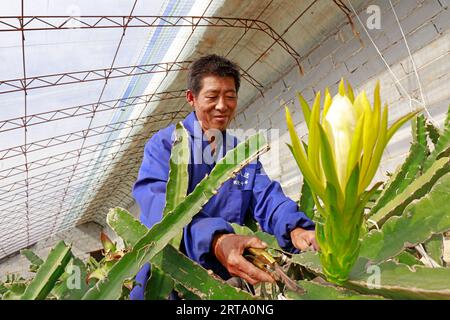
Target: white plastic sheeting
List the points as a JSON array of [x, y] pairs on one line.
[[48, 171]]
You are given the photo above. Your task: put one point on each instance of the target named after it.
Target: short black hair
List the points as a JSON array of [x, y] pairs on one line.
[[211, 65]]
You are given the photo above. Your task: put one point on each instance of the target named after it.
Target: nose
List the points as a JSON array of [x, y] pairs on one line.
[[221, 104]]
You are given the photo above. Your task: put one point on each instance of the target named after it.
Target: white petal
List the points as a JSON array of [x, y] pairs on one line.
[[340, 123]]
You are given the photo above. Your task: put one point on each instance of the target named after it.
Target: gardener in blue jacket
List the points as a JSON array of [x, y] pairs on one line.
[[213, 85]]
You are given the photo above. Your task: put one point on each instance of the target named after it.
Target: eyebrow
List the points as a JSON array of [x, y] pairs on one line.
[[217, 91]]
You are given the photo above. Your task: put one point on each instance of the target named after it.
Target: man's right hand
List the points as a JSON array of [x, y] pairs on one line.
[[228, 249]]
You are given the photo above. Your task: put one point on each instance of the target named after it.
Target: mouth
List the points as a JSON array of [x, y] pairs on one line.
[[221, 117]]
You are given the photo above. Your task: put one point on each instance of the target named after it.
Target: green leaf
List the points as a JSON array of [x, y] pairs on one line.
[[328, 163], [316, 291], [72, 284], [377, 99], [177, 185], [160, 234], [301, 158], [402, 178], [416, 189], [367, 195], [447, 120], [3, 289], [400, 122], [433, 133], [369, 136], [13, 287], [396, 281], [356, 146], [373, 198], [185, 294], [435, 248], [196, 279], [267, 238], [399, 281], [48, 273], [305, 108], [32, 257], [159, 285], [419, 221], [420, 136], [342, 87], [309, 260], [351, 191], [125, 225], [314, 138], [350, 93], [375, 152], [108, 245], [328, 100], [376, 122], [128, 228], [306, 203], [419, 130], [174, 264], [242, 230], [15, 291], [442, 149], [407, 258]]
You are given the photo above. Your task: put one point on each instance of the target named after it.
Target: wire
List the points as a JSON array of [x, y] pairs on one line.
[[397, 81], [414, 66]]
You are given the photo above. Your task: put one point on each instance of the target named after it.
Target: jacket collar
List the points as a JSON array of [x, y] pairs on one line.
[[193, 126]]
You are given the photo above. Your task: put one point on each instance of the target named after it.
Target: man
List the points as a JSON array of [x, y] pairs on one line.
[[213, 85]]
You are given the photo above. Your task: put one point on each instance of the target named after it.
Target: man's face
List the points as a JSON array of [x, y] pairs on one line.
[[216, 102]]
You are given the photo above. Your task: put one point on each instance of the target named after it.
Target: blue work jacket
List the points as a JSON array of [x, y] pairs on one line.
[[250, 192]]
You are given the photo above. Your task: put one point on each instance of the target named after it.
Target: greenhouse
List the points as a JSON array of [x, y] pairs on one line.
[[224, 150]]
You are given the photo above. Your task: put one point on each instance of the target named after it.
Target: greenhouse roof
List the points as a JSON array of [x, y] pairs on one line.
[[84, 84]]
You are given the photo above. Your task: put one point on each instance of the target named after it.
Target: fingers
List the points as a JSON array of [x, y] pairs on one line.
[[315, 244], [302, 244], [312, 242], [250, 273], [229, 250], [247, 270], [305, 240], [246, 278], [255, 242]]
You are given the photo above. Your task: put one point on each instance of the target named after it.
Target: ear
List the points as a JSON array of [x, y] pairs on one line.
[[190, 98]]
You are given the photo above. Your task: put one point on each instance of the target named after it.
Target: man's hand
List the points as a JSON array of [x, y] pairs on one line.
[[304, 239], [228, 249]]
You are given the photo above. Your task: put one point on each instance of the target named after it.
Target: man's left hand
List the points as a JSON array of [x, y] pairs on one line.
[[304, 239]]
